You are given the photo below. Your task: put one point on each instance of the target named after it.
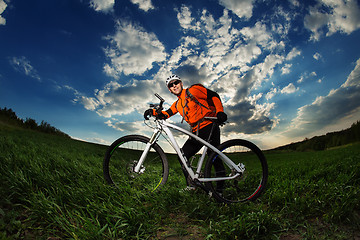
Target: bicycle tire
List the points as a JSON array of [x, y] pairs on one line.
[[250, 184], [121, 158]]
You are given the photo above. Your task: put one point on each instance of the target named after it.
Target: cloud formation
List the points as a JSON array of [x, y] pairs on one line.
[[211, 52], [3, 6], [120, 99], [132, 50], [23, 65], [233, 61], [105, 6], [144, 5], [243, 9], [289, 89], [329, 16], [325, 110]]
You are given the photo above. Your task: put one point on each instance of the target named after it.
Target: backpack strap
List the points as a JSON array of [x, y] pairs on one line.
[[194, 98]]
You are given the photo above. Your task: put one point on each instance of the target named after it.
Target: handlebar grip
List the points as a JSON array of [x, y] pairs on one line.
[[211, 118]]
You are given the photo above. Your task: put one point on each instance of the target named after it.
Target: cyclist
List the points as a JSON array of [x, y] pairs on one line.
[[193, 104]]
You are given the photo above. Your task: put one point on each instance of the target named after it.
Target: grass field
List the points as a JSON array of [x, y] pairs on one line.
[[52, 188]]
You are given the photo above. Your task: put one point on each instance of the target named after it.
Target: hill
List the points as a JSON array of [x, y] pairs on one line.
[[332, 139], [8, 116], [52, 187]]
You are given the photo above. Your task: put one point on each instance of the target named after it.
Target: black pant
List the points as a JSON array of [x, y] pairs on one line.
[[191, 147]]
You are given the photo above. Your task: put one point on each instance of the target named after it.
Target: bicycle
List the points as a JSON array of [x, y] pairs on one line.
[[139, 161]]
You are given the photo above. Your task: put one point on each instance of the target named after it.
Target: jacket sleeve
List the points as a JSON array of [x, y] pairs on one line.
[[171, 111]]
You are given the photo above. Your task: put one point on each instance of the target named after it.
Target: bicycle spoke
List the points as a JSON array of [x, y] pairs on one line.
[[123, 156], [250, 183]]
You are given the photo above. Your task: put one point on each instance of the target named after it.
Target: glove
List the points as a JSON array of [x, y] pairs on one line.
[[161, 116], [222, 117], [148, 113]]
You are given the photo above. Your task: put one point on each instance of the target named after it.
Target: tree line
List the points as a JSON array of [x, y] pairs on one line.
[[332, 139], [7, 115]]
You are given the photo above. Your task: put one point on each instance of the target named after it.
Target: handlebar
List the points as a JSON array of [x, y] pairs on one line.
[[158, 107], [159, 97], [211, 118]]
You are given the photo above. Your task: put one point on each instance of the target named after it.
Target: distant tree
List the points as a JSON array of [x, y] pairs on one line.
[[30, 123], [9, 116], [332, 139]]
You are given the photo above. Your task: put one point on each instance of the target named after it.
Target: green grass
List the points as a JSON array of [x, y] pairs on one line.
[[53, 188]]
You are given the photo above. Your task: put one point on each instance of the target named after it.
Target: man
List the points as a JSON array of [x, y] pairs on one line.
[[194, 104]]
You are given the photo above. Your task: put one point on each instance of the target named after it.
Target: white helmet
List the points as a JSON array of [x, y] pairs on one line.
[[172, 77]]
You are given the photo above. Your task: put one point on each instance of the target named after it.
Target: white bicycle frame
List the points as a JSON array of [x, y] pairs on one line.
[[162, 125]]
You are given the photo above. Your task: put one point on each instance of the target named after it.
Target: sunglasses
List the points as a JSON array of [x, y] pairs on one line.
[[174, 83]]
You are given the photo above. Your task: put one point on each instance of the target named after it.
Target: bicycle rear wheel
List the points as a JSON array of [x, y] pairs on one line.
[[250, 184], [122, 157]]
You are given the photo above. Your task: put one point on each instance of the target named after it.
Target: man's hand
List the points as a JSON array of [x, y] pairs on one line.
[[161, 116], [148, 113], [222, 117], [151, 112]]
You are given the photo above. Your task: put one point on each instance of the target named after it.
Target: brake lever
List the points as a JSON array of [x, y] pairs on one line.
[[154, 105]]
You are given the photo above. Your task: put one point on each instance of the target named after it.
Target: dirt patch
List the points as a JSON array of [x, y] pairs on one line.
[[177, 227], [290, 237]]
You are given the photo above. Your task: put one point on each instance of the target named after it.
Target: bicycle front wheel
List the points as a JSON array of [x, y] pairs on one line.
[[249, 184], [122, 157]]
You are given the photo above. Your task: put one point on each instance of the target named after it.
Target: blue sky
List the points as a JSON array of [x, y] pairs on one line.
[[285, 70]]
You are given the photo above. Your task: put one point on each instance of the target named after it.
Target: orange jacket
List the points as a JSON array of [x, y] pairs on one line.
[[193, 112]]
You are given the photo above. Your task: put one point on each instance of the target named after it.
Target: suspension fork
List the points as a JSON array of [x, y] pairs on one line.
[[144, 154]]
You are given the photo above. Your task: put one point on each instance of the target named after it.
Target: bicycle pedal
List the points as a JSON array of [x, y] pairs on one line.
[[197, 183]]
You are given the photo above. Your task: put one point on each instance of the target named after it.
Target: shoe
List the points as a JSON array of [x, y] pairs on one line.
[[188, 189]]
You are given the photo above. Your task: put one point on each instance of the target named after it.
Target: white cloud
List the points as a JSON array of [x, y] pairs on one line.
[[306, 75], [121, 99], [243, 9], [289, 89], [317, 56], [185, 19], [132, 50], [89, 103], [3, 6], [258, 33], [339, 104], [271, 93], [281, 21], [293, 53], [144, 5], [226, 47], [286, 68], [133, 127], [301, 79], [105, 6], [295, 3], [23, 65], [341, 16]]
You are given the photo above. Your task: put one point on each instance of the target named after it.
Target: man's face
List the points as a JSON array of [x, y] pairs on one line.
[[175, 87]]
